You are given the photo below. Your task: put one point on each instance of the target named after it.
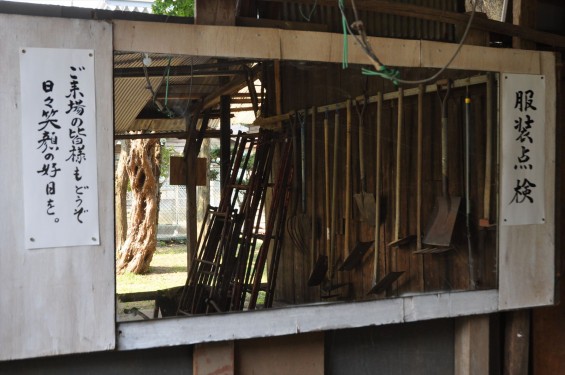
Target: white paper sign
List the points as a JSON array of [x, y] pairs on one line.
[[522, 189], [59, 147]]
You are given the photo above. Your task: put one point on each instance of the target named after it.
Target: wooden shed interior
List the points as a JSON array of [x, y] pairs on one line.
[[319, 120], [357, 202]]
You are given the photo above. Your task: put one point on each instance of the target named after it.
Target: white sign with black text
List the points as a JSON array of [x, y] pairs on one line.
[[522, 185], [59, 147]]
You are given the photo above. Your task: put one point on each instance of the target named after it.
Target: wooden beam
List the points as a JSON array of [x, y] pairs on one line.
[[175, 71], [280, 24], [236, 84], [302, 319], [524, 14], [247, 42]]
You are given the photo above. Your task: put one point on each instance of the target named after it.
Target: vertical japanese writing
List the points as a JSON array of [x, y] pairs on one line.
[[48, 145], [59, 160], [76, 108], [524, 106]]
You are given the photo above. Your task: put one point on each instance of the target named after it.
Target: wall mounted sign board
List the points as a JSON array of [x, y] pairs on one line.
[[59, 147], [522, 191]]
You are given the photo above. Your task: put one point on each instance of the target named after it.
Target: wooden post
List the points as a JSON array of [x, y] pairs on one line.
[[214, 358], [472, 345], [215, 12], [517, 343], [224, 139], [524, 14]]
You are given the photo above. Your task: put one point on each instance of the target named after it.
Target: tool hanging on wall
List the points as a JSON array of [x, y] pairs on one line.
[[298, 226], [347, 196], [386, 282], [445, 211], [468, 189], [485, 225], [328, 286], [319, 265], [365, 203], [419, 249], [399, 241]]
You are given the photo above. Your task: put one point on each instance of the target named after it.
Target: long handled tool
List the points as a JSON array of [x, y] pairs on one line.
[[380, 285], [484, 222], [399, 241], [365, 203], [419, 249], [444, 215], [467, 190], [347, 196], [328, 286], [320, 266], [299, 225]]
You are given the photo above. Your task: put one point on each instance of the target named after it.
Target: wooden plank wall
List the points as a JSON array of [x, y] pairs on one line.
[[59, 300], [304, 86]]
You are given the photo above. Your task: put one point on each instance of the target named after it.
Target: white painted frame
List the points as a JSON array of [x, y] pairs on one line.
[[526, 261]]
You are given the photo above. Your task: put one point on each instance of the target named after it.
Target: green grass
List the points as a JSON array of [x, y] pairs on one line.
[[168, 269]]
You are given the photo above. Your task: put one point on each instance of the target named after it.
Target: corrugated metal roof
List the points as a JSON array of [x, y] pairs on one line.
[[376, 24], [172, 92]]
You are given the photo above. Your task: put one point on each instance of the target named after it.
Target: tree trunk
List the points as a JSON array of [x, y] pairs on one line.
[[143, 170], [121, 195]]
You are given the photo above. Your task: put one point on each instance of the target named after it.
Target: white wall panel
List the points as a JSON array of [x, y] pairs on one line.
[[58, 300]]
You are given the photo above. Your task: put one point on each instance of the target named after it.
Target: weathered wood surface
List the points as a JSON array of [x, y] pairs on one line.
[[472, 349], [260, 43], [295, 354], [61, 300], [312, 318]]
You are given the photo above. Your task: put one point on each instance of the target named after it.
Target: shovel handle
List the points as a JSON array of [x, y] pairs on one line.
[[378, 187], [444, 145], [347, 181], [303, 160]]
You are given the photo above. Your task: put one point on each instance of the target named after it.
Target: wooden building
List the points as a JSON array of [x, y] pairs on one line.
[[360, 141]]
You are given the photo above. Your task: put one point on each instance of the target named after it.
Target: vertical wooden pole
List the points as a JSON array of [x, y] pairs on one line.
[[224, 139], [472, 345], [517, 343], [524, 14]]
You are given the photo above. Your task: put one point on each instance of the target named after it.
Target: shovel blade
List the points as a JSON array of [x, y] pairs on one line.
[[356, 256], [442, 221], [386, 281], [319, 272], [366, 206]]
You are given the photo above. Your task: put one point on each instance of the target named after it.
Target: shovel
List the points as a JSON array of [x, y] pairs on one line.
[[443, 217], [386, 282], [298, 226], [399, 241], [364, 201], [320, 267], [328, 286]]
